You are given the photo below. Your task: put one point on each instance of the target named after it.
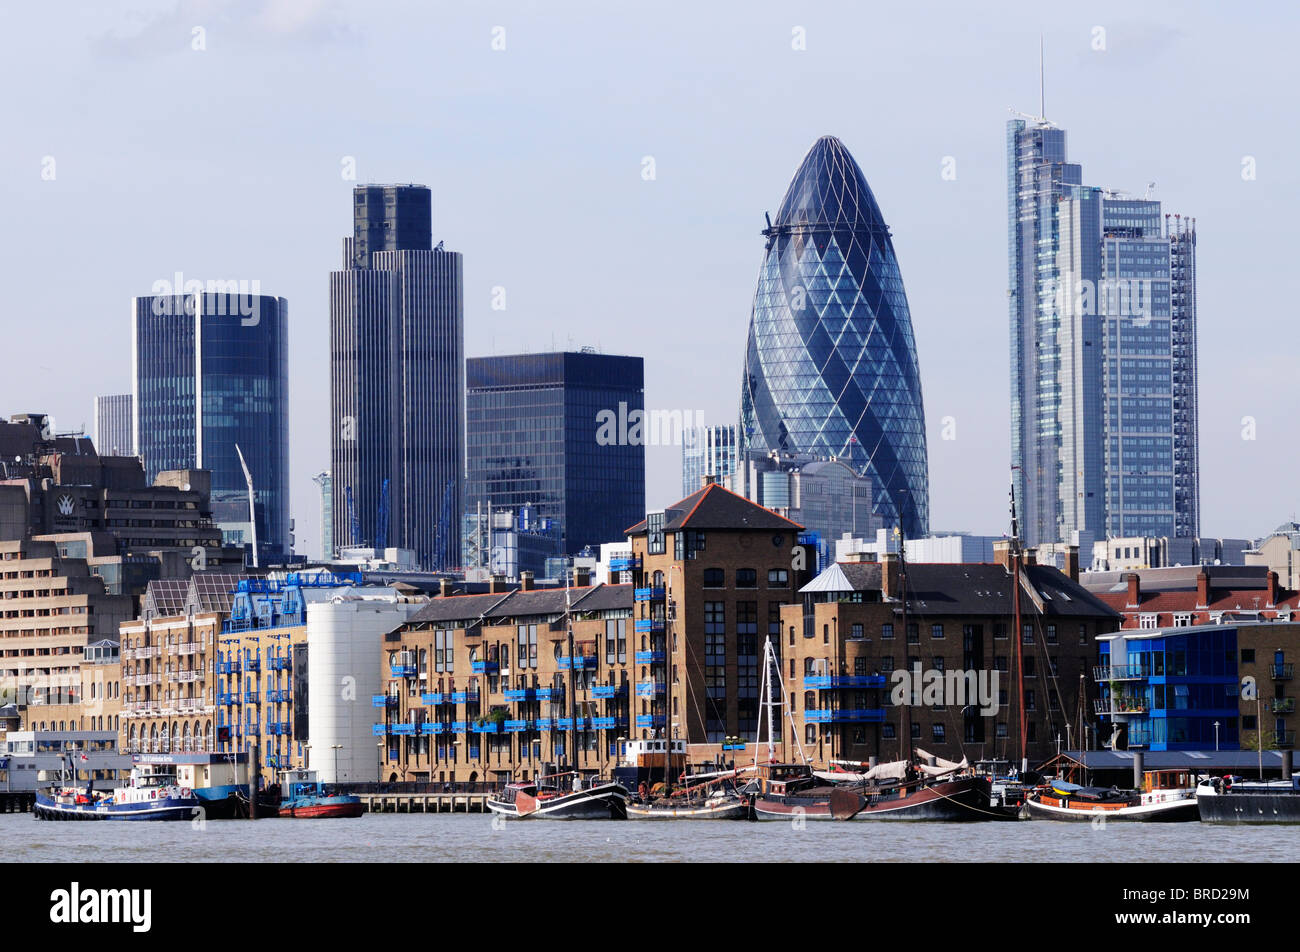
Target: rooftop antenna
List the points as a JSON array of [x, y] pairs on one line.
[[1042, 98]]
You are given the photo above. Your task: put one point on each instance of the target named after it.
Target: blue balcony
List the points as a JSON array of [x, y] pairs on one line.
[[464, 697], [625, 563], [648, 594], [547, 694], [649, 657], [648, 689], [650, 625], [609, 723], [546, 723], [228, 667], [484, 667], [733, 746], [460, 727], [378, 730], [253, 664], [253, 730], [567, 723], [649, 720], [579, 663], [521, 694], [873, 715], [830, 682], [491, 727], [402, 670], [608, 690], [433, 727], [279, 663], [278, 696], [403, 729], [278, 728], [515, 727], [227, 698], [383, 700], [250, 697], [433, 698]]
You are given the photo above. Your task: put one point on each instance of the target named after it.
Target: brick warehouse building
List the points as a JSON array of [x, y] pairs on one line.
[[848, 637], [462, 704]]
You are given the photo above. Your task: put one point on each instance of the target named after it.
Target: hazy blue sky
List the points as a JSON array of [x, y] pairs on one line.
[[226, 162]]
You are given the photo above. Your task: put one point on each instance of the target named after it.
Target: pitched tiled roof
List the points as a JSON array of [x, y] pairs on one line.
[[539, 602], [973, 588], [715, 507]]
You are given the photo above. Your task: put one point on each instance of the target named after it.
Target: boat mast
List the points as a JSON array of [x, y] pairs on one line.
[[573, 689], [1016, 634]]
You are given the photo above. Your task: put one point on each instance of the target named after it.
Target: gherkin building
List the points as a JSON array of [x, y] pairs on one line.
[[831, 367]]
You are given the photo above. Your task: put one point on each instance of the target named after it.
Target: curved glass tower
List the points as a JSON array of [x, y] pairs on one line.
[[831, 367]]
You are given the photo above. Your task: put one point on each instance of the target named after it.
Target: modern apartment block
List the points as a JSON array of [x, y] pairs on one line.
[[114, 433], [709, 451], [211, 382], [1103, 353], [397, 380], [831, 367], [53, 607], [535, 443]]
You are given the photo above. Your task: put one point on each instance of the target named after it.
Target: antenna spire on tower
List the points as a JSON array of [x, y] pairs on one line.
[[1042, 103]]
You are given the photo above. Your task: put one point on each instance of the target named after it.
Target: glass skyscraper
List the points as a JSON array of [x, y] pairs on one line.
[[535, 443], [211, 372], [1103, 353], [831, 367], [397, 380], [708, 451], [113, 436]]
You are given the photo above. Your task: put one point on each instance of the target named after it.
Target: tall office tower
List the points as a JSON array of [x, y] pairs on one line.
[[1103, 339], [326, 484], [397, 380], [211, 374], [831, 368], [113, 425], [708, 451], [556, 435]]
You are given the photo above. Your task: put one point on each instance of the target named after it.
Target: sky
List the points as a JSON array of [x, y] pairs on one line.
[[608, 165]]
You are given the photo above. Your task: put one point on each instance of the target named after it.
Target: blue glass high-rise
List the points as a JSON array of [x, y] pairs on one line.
[[211, 372], [831, 367]]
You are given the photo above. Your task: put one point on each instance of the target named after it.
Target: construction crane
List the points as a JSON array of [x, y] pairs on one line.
[[381, 529]]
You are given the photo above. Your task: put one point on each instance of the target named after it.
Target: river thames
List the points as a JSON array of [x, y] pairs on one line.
[[408, 838]]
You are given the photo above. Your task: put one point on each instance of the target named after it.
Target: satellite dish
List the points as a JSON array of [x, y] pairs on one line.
[[185, 488]]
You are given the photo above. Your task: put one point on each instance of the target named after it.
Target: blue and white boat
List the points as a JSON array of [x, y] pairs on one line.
[[151, 793]]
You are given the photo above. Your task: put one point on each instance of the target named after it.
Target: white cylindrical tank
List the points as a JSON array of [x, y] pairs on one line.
[[344, 670]]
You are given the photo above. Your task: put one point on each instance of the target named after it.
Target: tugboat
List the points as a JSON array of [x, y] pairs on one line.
[[151, 793], [307, 797], [1166, 796], [1236, 800], [562, 796]]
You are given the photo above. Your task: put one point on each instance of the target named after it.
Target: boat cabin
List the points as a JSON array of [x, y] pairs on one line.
[[1154, 780], [782, 779], [300, 783], [650, 753]]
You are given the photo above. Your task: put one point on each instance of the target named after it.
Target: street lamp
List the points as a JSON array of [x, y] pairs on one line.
[[1216, 737], [379, 762]]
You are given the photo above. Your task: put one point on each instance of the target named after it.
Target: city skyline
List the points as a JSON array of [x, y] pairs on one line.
[[948, 241]]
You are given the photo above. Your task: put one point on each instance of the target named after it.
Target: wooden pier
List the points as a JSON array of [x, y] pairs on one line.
[[425, 802], [14, 801]]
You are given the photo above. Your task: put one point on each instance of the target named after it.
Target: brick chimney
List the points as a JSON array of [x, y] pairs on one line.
[[526, 581], [707, 480], [498, 584], [889, 581], [581, 576], [1134, 589], [1002, 553], [1072, 562], [1202, 589], [445, 587], [1272, 589]]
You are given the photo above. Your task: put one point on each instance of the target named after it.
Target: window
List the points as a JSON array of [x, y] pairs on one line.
[[1030, 703], [886, 632], [938, 664], [1000, 663], [856, 631], [1031, 667], [888, 731], [1001, 730], [1000, 630], [1051, 634], [826, 634], [792, 634], [936, 632], [1247, 655], [886, 664], [916, 731], [747, 618], [778, 578], [746, 578], [715, 578], [913, 634], [1027, 635], [810, 734], [937, 732]]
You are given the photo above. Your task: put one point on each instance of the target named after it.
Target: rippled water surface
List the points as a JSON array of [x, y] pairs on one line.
[[476, 838]]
